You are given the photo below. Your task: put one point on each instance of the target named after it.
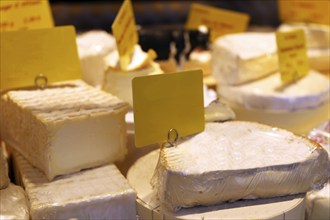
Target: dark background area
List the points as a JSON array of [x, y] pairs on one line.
[[99, 14], [160, 22]]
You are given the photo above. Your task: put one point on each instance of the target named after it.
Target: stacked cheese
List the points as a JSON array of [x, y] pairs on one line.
[[245, 66], [238, 160], [13, 201], [61, 130], [100, 64], [100, 193], [318, 43]]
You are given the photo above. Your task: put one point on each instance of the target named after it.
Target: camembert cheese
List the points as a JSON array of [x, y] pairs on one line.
[[238, 160], [65, 128], [4, 179]]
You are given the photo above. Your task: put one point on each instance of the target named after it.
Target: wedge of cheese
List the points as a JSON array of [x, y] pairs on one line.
[[240, 58], [65, 128], [14, 203], [4, 179], [99, 193], [238, 160]]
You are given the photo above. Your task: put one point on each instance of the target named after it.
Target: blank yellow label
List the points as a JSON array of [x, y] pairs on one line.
[[28, 53], [125, 33], [309, 11], [25, 14], [219, 21], [292, 55], [167, 101]]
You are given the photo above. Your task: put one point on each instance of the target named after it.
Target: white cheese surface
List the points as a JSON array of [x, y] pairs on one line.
[[100, 193], [268, 93], [236, 145]]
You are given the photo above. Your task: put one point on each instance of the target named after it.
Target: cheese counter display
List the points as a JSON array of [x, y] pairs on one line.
[[49, 126]]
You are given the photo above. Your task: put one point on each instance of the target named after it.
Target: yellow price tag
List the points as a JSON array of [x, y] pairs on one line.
[[26, 54], [219, 21], [309, 11], [25, 14], [125, 33], [292, 55], [167, 101]]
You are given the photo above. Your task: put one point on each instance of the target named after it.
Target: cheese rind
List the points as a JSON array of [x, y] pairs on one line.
[[99, 193], [14, 203], [240, 58], [269, 94], [238, 160], [4, 179], [65, 129]]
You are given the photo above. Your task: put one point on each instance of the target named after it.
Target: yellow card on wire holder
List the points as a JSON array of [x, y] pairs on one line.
[[292, 55], [165, 103], [25, 14], [219, 21], [26, 54], [125, 33]]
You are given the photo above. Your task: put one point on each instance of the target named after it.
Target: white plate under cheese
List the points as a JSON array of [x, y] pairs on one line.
[[239, 58], [65, 128], [99, 193], [238, 160]]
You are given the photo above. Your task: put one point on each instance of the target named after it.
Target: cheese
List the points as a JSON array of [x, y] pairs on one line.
[[100, 193], [93, 46], [14, 203], [239, 58], [318, 203], [317, 35], [4, 179], [268, 93], [238, 160], [66, 128], [119, 82], [319, 59]]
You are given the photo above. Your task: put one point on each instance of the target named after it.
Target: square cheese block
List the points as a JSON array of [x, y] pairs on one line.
[[99, 193], [4, 179], [238, 160], [65, 128], [93, 46], [14, 204], [240, 58]]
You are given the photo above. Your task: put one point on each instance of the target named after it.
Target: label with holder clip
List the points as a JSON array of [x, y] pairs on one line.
[[125, 32], [25, 14], [311, 11], [167, 103], [28, 54], [219, 21], [292, 55]]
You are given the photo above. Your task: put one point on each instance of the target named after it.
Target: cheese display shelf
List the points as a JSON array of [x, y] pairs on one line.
[[140, 174]]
